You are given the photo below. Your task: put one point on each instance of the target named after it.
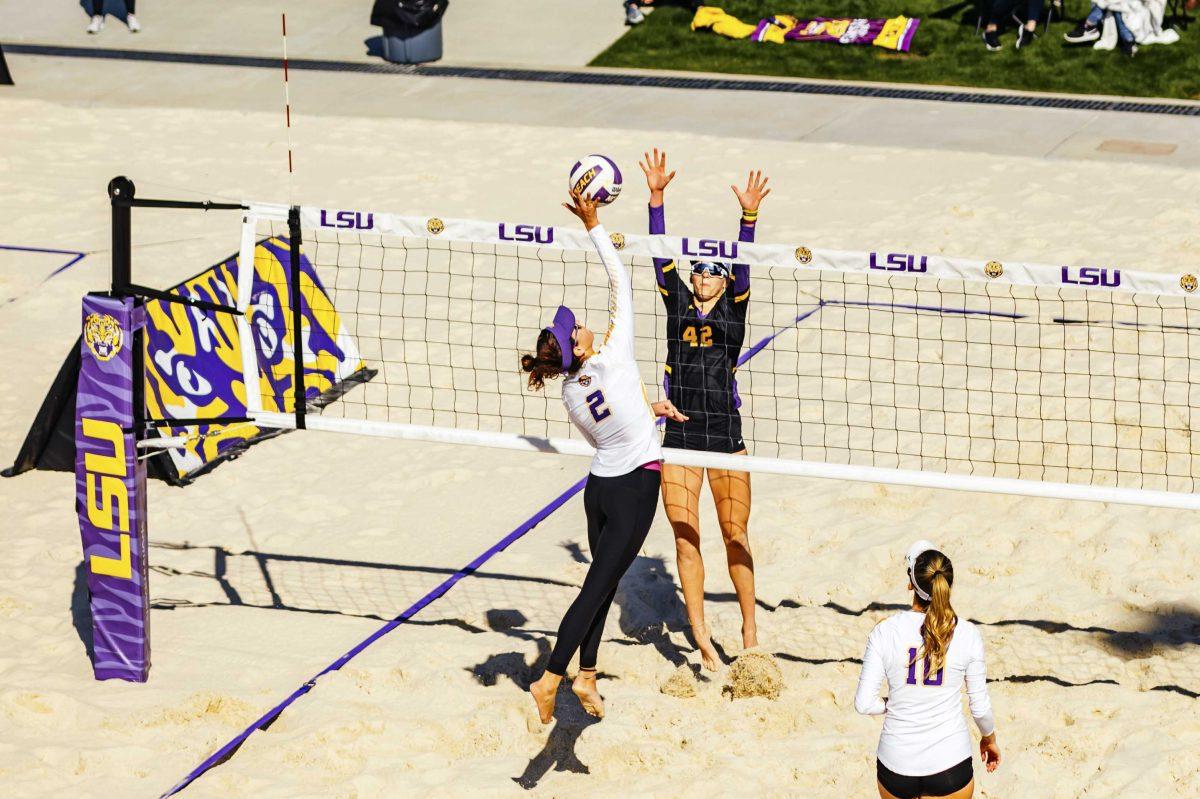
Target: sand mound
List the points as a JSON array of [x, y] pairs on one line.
[[755, 674], [681, 683]]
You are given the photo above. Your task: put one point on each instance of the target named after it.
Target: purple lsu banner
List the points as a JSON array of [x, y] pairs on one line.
[[110, 490]]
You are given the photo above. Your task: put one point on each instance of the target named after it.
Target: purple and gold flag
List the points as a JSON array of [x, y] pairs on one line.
[[892, 34]]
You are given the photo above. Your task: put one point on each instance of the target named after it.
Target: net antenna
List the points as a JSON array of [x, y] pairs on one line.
[[287, 107], [886, 367]]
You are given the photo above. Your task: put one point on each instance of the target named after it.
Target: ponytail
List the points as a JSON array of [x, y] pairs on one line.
[[935, 575], [546, 364]]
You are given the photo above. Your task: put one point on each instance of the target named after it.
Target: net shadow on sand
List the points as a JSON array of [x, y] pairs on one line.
[[337, 586]]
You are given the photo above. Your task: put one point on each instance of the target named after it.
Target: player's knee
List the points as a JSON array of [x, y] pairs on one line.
[[735, 536]]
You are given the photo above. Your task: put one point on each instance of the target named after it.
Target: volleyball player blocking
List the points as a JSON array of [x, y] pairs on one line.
[[706, 328]]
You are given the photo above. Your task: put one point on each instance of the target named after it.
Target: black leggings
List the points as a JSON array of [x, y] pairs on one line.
[[619, 512], [98, 7]]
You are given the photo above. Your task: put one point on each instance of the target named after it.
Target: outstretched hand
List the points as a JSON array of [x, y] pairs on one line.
[[667, 408], [584, 207], [756, 189], [655, 168]]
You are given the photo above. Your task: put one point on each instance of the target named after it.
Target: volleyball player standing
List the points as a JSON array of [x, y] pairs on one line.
[[927, 654]]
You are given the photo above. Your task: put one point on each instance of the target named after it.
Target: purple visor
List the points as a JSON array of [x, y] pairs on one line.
[[562, 328]]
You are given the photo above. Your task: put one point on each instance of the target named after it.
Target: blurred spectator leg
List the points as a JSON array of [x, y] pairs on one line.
[[998, 11], [1027, 31], [1088, 30], [633, 13], [1125, 36], [97, 23]]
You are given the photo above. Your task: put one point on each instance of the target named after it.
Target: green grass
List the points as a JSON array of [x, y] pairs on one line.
[[944, 51]]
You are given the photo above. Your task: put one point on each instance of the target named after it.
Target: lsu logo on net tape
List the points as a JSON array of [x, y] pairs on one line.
[[103, 335], [804, 255], [435, 225], [993, 269], [618, 240], [1188, 283]]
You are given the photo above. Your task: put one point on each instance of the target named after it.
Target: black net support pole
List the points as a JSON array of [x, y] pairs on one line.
[[294, 242], [121, 191]]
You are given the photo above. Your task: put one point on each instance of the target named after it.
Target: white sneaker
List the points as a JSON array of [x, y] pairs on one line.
[[97, 24], [132, 22], [634, 15]]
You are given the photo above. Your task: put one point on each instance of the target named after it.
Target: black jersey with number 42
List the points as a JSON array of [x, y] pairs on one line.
[[702, 353]]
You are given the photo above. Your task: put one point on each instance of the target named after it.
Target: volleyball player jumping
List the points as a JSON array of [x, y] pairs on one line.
[[604, 396], [706, 327], [926, 655]]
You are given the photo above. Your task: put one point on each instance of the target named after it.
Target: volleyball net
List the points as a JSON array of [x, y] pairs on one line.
[[881, 366], [1076, 382]]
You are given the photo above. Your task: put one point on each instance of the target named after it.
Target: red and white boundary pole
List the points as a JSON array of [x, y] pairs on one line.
[[287, 101]]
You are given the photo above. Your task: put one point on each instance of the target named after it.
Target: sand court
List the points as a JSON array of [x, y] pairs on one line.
[[275, 564]]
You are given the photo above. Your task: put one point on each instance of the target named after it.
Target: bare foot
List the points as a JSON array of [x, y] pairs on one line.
[[708, 653], [749, 636], [545, 692], [589, 695]]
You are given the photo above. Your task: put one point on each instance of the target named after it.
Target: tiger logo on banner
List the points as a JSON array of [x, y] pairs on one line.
[[102, 334], [194, 357]]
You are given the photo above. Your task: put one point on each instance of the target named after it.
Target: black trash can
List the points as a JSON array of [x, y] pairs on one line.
[[412, 29], [424, 46]]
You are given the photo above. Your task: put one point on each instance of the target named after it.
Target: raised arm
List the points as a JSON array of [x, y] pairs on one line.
[[749, 198], [619, 338], [657, 178], [866, 699]]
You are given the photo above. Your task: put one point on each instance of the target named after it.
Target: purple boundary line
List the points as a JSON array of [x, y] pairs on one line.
[[79, 256], [265, 720]]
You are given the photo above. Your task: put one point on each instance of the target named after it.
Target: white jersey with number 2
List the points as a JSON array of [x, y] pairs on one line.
[[605, 398], [924, 731]]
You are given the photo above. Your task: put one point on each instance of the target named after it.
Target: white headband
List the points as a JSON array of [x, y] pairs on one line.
[[910, 560]]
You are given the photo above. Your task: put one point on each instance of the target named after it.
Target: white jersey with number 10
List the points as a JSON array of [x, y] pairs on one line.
[[923, 728], [605, 398]]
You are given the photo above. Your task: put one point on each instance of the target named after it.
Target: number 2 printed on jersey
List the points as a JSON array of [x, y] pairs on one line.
[[596, 405], [912, 670]]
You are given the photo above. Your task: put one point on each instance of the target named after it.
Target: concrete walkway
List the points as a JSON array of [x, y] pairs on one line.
[[496, 32], [528, 32]]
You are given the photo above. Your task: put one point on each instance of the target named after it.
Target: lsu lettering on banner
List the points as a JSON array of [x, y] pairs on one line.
[[110, 490], [194, 357]]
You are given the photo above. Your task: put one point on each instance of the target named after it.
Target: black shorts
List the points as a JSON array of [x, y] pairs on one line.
[[708, 434], [943, 783]]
